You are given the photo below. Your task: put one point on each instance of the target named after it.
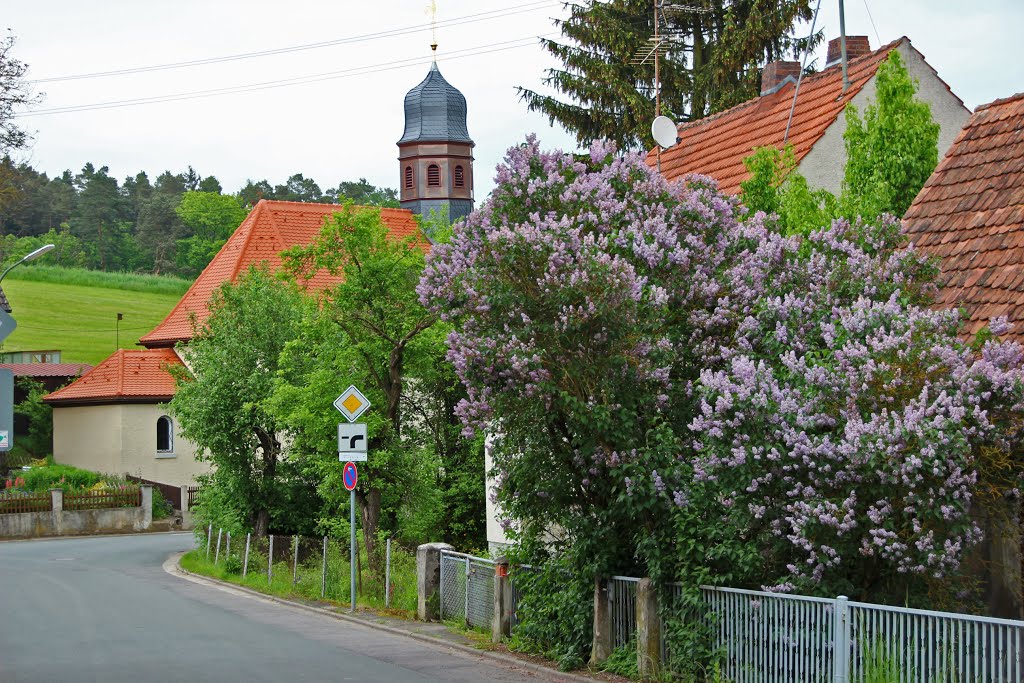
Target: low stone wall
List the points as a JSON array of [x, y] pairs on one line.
[[61, 522]]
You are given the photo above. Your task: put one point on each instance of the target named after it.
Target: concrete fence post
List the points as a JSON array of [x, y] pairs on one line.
[[57, 504], [184, 498], [147, 506], [428, 580], [841, 640], [601, 648], [648, 630], [501, 624]]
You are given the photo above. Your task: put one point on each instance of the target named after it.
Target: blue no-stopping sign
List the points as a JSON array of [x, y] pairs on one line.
[[350, 475]]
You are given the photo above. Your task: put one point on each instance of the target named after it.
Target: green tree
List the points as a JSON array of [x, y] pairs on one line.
[[210, 218], [15, 92], [99, 218], [373, 333], [252, 192], [38, 439], [362, 193], [298, 188], [711, 62], [893, 150], [889, 156], [158, 231], [220, 402]]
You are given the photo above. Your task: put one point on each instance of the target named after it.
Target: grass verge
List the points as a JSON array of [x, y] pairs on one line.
[[306, 581]]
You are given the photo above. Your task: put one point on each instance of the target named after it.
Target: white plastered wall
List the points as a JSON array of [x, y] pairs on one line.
[[120, 439], [823, 165]]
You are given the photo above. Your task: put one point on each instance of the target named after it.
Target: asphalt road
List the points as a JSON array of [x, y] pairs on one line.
[[103, 609]]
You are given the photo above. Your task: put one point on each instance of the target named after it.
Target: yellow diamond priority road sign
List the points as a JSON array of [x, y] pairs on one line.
[[351, 403]]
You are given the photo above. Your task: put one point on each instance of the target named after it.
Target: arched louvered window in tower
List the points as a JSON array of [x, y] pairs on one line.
[[408, 177], [433, 176], [460, 177]]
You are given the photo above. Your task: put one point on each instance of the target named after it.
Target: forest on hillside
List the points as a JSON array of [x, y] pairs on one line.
[[172, 225]]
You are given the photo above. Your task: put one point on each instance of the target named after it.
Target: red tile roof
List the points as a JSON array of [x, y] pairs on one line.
[[128, 376], [716, 145], [47, 369], [270, 228], [970, 214]]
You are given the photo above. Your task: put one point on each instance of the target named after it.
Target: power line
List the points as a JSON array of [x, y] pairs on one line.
[[458, 21], [299, 80], [872, 20]]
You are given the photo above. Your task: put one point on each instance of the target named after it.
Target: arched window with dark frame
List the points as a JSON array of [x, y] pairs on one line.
[[460, 177], [408, 177], [433, 176], [164, 435]]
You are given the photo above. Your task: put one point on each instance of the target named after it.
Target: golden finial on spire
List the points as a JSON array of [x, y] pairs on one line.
[[432, 11]]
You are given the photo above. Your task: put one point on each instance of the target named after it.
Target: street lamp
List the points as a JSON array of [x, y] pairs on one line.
[[34, 255]]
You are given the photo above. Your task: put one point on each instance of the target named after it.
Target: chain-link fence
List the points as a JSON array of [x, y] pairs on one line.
[[315, 568], [467, 589]]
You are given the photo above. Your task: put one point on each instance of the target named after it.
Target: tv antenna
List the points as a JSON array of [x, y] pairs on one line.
[[663, 129]]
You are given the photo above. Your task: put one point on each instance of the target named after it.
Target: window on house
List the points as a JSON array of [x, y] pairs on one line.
[[460, 177], [408, 177], [164, 435], [433, 175]]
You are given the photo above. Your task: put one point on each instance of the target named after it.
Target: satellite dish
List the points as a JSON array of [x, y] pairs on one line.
[[664, 131]]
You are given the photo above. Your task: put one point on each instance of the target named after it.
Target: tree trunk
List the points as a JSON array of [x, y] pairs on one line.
[[262, 522], [270, 447], [371, 520]]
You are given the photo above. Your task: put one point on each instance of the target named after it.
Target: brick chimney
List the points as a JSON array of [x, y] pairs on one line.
[[856, 46], [776, 73]]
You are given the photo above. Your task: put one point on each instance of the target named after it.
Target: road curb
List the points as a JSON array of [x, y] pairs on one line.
[[173, 566]]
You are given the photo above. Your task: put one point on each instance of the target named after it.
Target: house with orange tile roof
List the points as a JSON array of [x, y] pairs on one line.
[[115, 417], [970, 214], [717, 145]]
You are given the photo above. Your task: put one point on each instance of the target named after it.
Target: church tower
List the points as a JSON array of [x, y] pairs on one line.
[[435, 154]]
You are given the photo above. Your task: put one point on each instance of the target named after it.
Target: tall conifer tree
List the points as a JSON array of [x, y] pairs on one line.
[[712, 60]]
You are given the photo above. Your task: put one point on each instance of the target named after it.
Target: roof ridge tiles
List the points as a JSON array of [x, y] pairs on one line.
[[999, 102]]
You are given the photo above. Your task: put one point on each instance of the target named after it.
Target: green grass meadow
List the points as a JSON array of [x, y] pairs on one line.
[[75, 311]]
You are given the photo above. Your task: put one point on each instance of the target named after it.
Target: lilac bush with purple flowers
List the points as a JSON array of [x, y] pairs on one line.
[[678, 390]]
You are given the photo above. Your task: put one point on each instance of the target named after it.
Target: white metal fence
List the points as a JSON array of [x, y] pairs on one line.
[[777, 638], [467, 589], [622, 607]]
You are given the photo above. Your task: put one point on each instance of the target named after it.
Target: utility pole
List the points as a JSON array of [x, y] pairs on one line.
[[842, 45]]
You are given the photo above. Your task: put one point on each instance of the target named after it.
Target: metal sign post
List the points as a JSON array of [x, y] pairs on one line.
[[352, 447], [351, 477]]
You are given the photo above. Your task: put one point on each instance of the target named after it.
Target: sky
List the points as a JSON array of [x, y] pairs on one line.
[[341, 120]]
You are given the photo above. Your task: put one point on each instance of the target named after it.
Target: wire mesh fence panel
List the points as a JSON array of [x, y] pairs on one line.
[[453, 586], [308, 575], [515, 582], [926, 646], [259, 547], [336, 585], [480, 592], [622, 606]]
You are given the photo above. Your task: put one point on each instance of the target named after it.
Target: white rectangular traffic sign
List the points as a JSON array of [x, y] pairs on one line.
[[351, 457], [352, 439]]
